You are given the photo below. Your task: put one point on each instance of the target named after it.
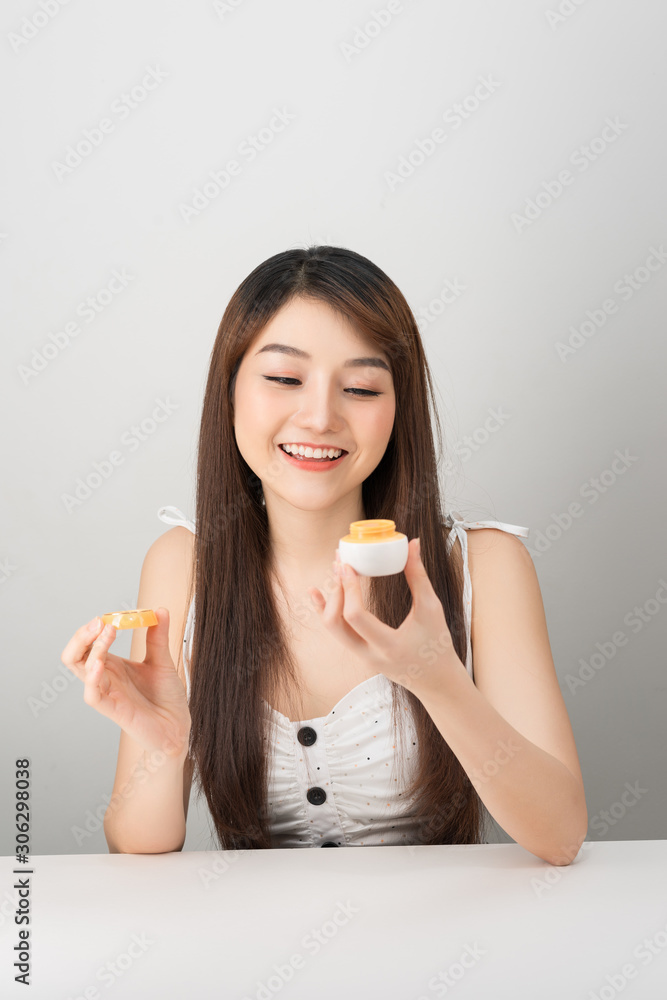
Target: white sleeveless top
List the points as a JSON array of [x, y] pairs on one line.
[[335, 781]]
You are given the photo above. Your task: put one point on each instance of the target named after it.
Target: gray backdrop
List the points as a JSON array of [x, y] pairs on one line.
[[503, 162]]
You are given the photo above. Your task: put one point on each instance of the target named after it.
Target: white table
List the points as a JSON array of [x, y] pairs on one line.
[[488, 921]]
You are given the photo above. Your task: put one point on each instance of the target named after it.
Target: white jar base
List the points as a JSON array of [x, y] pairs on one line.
[[375, 558]]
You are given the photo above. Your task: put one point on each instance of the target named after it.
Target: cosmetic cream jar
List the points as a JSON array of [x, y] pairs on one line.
[[374, 548]]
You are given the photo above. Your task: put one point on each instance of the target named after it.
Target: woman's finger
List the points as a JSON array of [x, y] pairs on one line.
[[318, 598], [424, 597], [333, 617], [96, 686], [366, 627], [328, 593], [100, 646], [333, 604], [76, 652]]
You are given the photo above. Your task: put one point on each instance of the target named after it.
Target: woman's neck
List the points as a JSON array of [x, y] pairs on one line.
[[303, 543]]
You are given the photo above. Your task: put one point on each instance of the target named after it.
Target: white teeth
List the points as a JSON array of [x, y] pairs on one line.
[[304, 452]]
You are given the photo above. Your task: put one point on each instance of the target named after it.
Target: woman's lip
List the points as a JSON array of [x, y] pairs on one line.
[[310, 465]]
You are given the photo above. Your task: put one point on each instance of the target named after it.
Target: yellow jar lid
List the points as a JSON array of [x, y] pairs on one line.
[[373, 530], [130, 619]]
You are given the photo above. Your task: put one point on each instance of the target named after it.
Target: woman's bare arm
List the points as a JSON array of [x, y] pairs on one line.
[[149, 804], [510, 728]]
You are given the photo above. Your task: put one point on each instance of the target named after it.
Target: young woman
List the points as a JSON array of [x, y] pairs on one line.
[[319, 708]]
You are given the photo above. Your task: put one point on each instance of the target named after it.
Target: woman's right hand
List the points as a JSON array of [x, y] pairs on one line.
[[147, 700]]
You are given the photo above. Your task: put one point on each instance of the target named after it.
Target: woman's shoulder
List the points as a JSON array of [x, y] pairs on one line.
[[179, 540], [172, 554], [165, 581], [172, 544], [489, 550], [495, 546], [497, 563]]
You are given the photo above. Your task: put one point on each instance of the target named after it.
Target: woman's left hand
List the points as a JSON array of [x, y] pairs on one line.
[[418, 654]]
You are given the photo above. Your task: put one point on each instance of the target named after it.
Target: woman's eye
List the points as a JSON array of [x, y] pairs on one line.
[[284, 379]]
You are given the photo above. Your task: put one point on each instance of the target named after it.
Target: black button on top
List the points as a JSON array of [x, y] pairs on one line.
[[316, 795], [329, 843], [306, 736]]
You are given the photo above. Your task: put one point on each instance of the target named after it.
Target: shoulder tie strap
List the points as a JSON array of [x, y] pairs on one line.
[[515, 529], [172, 515]]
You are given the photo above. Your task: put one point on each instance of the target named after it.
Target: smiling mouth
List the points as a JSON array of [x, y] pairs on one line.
[[321, 461], [304, 458]]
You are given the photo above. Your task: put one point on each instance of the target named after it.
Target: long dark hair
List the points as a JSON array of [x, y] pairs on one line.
[[240, 653]]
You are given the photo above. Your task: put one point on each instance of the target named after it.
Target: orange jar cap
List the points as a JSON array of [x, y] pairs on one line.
[[130, 619], [373, 530]]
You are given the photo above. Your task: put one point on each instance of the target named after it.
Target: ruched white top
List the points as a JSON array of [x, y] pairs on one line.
[[340, 780]]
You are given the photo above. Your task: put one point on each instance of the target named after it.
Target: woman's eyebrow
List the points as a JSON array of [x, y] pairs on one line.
[[296, 352]]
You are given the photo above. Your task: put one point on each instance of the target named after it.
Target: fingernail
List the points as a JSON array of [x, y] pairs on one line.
[[94, 624], [418, 547]]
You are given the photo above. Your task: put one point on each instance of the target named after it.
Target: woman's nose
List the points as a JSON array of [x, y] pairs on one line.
[[320, 407]]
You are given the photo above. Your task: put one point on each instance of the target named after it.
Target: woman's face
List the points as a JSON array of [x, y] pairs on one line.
[[323, 399]]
